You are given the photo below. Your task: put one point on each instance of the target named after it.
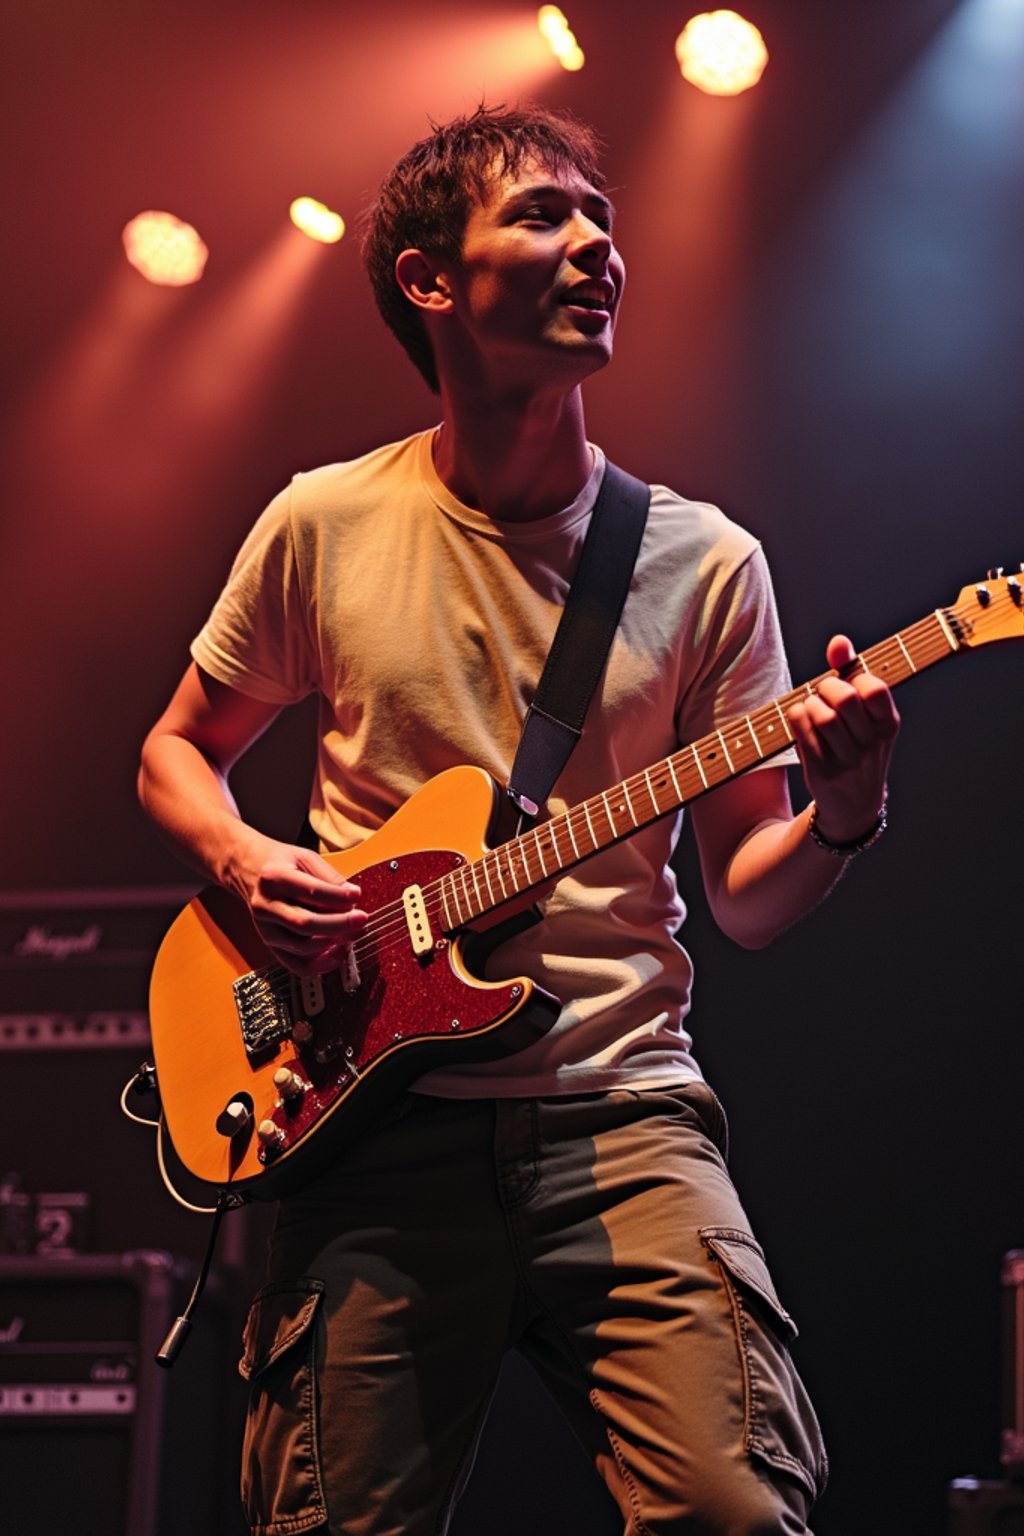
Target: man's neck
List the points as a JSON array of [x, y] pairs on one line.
[[515, 460]]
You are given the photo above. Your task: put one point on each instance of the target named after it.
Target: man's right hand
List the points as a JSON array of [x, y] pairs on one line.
[[305, 912]]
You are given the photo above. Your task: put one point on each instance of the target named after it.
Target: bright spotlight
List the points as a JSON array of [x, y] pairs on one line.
[[164, 249], [555, 29], [721, 53], [317, 220]]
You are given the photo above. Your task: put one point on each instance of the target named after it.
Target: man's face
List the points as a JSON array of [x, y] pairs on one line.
[[538, 284]]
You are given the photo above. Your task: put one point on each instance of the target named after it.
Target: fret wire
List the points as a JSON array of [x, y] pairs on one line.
[[510, 870], [785, 722], [590, 824], [497, 871]]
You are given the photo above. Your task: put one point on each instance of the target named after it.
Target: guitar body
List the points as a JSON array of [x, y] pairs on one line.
[[228, 1023]]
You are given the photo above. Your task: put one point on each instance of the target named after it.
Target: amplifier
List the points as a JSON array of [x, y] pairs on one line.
[[74, 965], [94, 1437], [76, 1175], [980, 1508], [1011, 1452]]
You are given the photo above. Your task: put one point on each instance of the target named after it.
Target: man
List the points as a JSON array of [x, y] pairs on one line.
[[571, 1199]]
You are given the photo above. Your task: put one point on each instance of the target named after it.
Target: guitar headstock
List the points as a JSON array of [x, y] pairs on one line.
[[992, 609]]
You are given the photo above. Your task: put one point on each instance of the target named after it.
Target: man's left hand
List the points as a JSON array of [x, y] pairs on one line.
[[845, 732]]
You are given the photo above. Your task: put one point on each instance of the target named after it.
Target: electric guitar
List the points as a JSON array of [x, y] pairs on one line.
[[263, 1076]]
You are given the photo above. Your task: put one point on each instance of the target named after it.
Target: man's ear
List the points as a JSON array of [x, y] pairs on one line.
[[423, 281]]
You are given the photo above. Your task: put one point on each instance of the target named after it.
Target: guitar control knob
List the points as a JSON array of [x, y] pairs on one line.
[[270, 1135], [236, 1116], [288, 1083], [995, 573]]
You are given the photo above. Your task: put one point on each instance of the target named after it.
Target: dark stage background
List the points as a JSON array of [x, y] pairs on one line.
[[823, 332]]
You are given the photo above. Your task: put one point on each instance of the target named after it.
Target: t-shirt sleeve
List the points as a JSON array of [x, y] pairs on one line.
[[258, 637], [742, 661]]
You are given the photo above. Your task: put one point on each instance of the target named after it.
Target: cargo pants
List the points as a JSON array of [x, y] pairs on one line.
[[600, 1235]]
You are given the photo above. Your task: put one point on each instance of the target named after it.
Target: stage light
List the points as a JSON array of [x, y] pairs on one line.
[[721, 53], [555, 29], [164, 249], [317, 220]]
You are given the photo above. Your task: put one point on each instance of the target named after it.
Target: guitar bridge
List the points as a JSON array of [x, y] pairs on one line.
[[264, 1003]]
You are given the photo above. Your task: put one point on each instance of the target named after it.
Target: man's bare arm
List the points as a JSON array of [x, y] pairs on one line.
[[304, 910], [762, 870]]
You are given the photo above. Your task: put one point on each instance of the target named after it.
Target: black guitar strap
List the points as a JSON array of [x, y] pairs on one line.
[[593, 607]]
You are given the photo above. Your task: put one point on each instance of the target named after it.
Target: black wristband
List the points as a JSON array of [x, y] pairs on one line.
[[858, 845]]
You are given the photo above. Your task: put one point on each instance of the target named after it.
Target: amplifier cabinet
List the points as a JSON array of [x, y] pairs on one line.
[[96, 1438], [74, 964], [76, 1175], [981, 1508]]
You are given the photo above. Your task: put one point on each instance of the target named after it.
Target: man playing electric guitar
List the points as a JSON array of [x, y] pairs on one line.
[[569, 1199]]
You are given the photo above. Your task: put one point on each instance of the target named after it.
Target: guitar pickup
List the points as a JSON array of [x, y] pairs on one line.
[[418, 923], [311, 994]]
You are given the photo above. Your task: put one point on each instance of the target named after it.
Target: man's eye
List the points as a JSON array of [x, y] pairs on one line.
[[536, 214]]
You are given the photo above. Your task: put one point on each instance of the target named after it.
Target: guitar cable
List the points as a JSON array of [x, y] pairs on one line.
[[144, 1081], [180, 1329]]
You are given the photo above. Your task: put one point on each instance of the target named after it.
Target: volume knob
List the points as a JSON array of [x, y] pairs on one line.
[[288, 1083]]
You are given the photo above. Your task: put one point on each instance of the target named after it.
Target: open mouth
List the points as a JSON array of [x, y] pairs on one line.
[[596, 299]]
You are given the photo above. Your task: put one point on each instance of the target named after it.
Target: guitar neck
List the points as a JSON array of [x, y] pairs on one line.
[[535, 858]]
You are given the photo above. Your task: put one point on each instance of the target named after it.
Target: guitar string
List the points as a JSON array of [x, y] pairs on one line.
[[389, 920], [388, 925], [388, 928], [543, 842]]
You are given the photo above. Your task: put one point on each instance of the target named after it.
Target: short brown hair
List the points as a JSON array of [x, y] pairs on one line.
[[424, 201]]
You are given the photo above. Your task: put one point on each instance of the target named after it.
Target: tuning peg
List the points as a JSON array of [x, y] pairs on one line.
[[995, 573]]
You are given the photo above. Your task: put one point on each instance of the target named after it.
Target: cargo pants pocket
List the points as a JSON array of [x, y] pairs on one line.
[[282, 1485], [780, 1426]]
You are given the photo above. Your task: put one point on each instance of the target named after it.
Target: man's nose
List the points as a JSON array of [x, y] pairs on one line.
[[589, 240]]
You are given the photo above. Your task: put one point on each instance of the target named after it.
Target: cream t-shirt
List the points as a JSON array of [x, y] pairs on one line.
[[423, 626]]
